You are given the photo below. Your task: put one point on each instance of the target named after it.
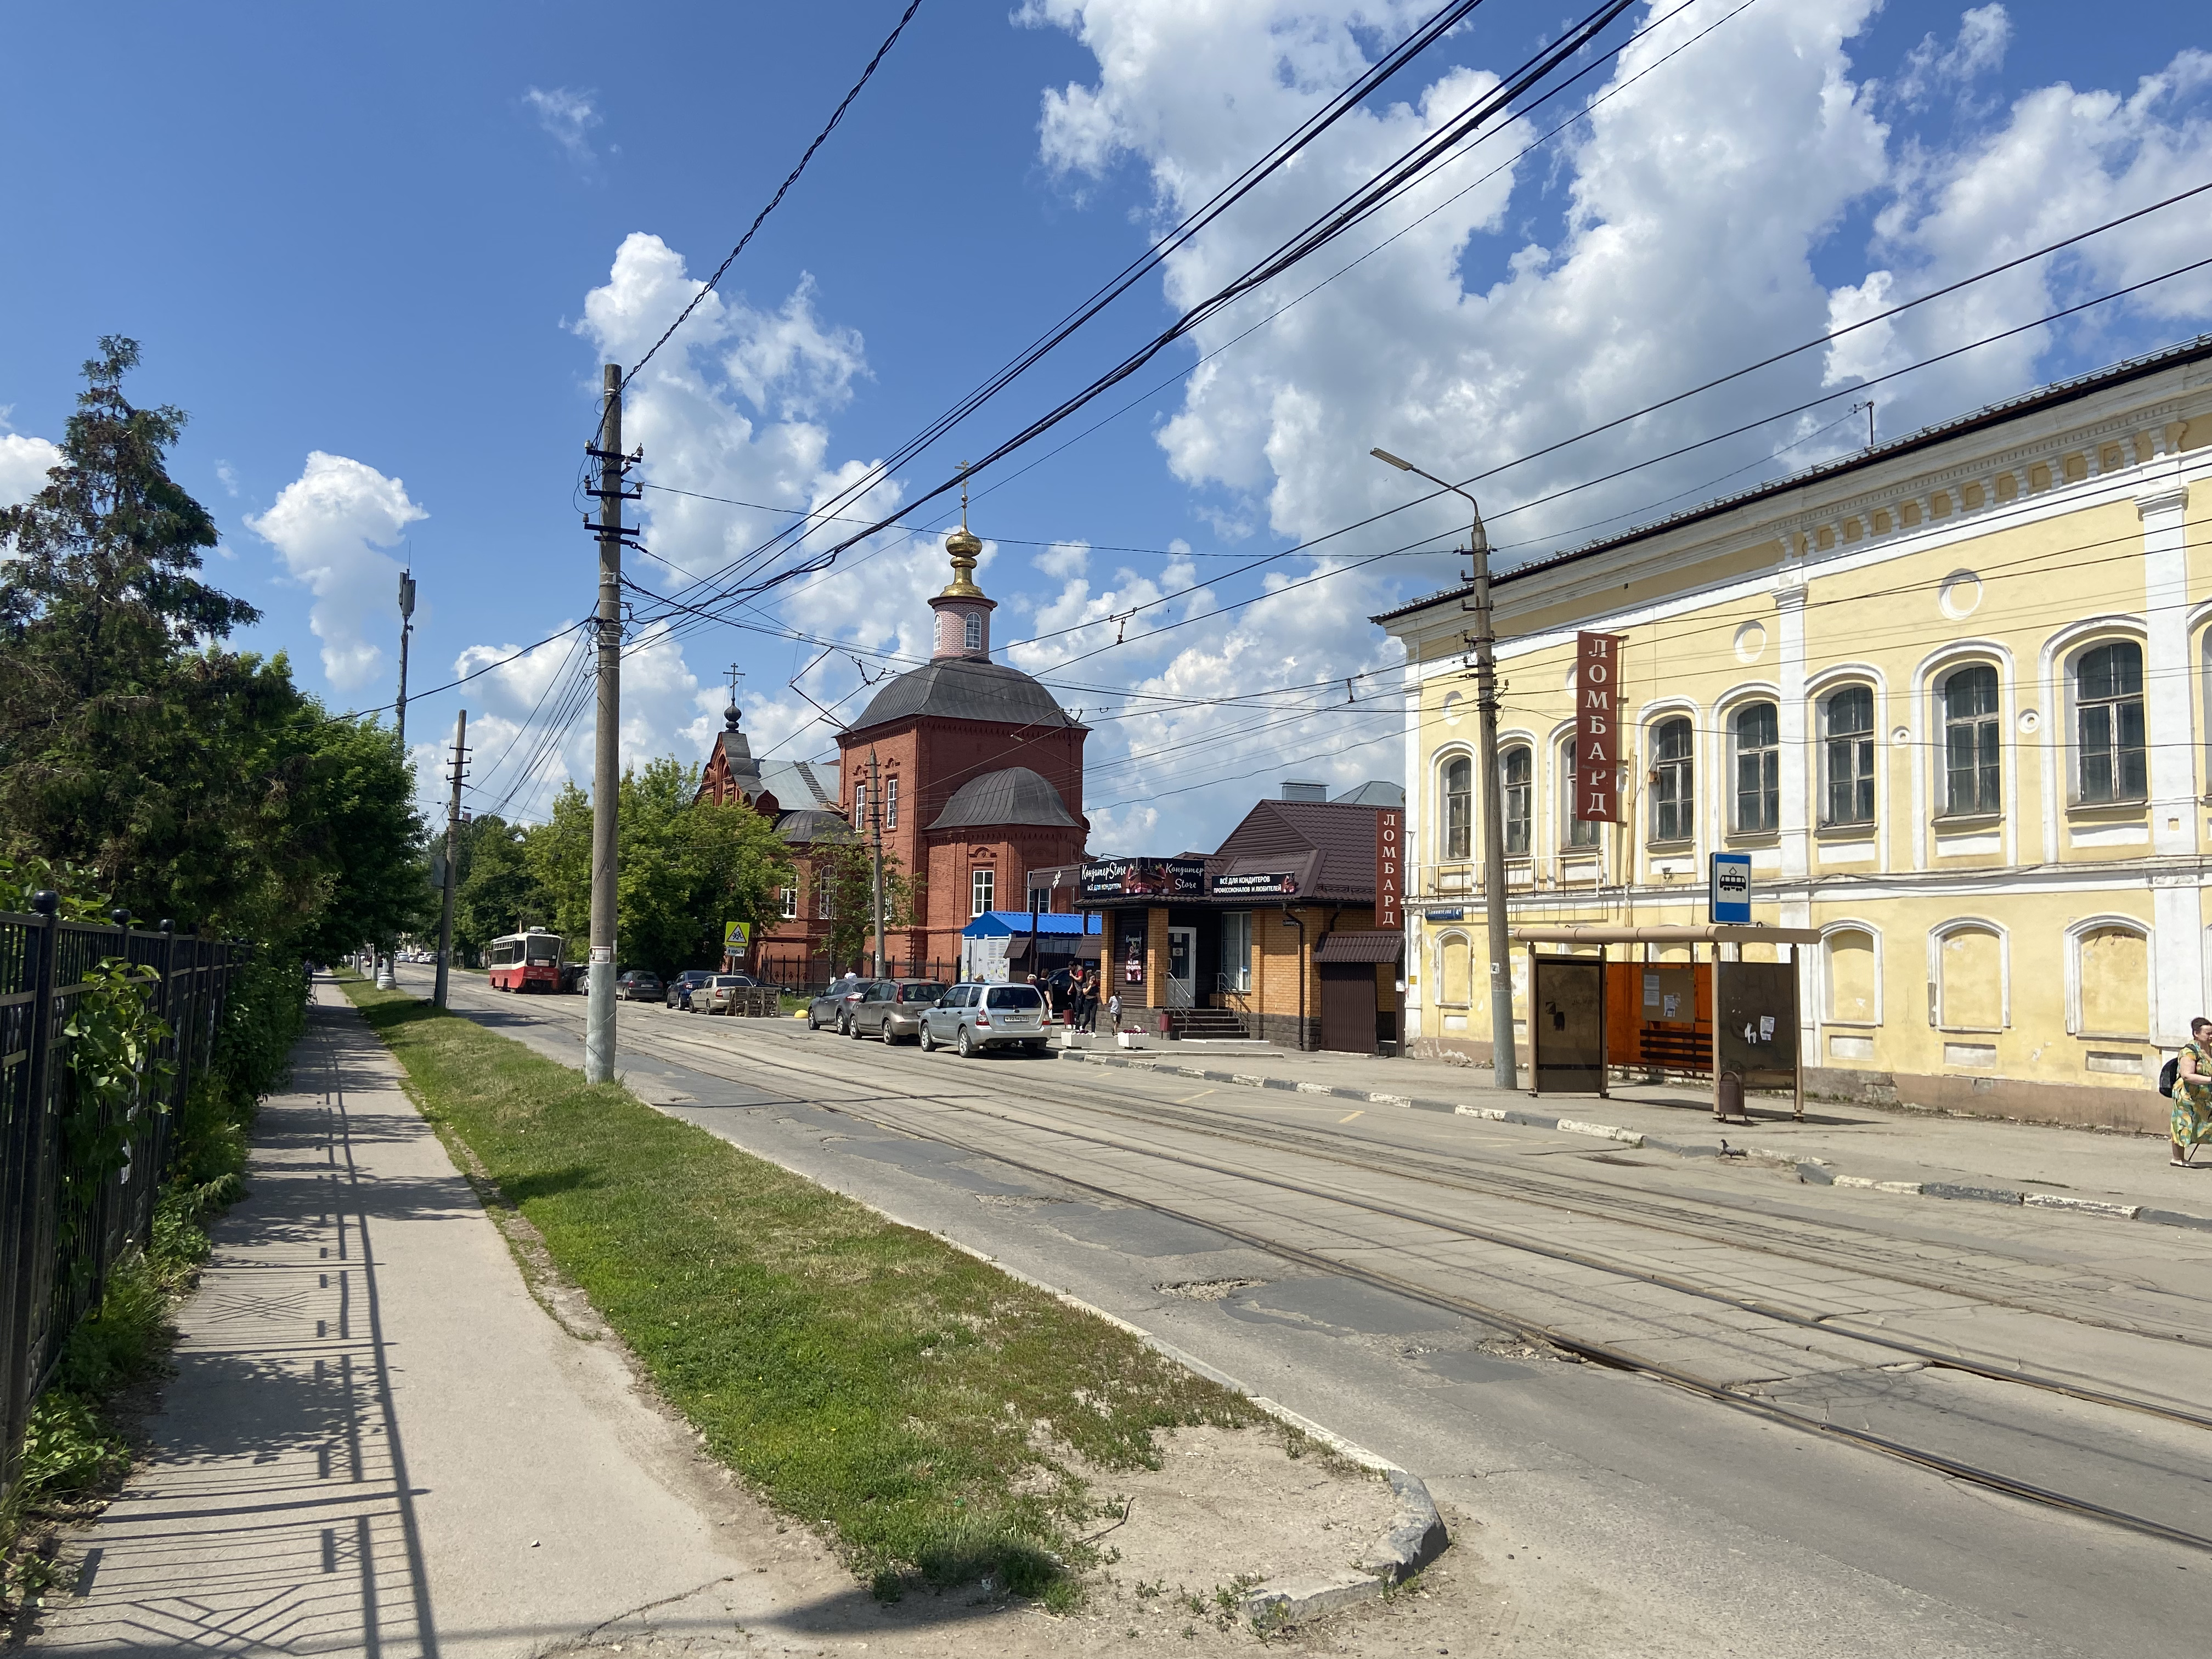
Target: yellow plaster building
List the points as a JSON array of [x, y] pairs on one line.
[[1953, 697]]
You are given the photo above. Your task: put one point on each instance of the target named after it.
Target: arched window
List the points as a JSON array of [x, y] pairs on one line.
[[1580, 832], [1847, 723], [1970, 979], [1516, 769], [1455, 976], [1459, 807], [1756, 730], [2112, 977], [1972, 770], [1853, 979], [2108, 723], [1673, 794], [971, 625]]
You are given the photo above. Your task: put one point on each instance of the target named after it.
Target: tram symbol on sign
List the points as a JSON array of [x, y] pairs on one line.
[[1729, 892]]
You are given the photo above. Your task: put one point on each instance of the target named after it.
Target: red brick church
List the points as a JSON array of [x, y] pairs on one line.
[[982, 775]]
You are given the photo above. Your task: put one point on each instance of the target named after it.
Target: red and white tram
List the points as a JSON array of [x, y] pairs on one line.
[[526, 962]]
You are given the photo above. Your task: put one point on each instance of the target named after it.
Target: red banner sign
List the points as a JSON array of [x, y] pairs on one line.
[[1597, 730], [1389, 870]]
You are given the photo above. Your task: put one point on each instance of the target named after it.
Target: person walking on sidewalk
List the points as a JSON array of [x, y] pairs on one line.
[[2192, 1094]]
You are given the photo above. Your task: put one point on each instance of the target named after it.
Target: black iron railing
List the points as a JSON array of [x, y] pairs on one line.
[[56, 1251]]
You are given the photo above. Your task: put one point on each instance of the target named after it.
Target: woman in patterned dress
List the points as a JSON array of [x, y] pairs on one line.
[[2192, 1094]]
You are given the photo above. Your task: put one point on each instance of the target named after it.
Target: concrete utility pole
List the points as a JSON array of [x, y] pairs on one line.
[[453, 852], [876, 822], [406, 628], [1505, 1063], [599, 1012]]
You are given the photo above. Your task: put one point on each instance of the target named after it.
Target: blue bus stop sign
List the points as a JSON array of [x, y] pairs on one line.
[[1729, 893]]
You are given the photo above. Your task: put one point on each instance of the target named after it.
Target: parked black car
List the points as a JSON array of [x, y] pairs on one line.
[[638, 985], [680, 987]]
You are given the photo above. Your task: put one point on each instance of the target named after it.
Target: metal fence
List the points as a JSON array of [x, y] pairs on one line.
[[54, 1262], [810, 976]]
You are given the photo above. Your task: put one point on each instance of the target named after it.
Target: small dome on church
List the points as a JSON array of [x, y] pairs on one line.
[[1015, 795], [964, 688]]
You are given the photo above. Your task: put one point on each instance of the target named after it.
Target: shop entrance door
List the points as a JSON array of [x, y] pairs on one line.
[[1182, 967], [1347, 1006]]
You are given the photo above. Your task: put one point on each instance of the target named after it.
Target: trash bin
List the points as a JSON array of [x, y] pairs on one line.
[[1728, 1096], [1167, 1028]]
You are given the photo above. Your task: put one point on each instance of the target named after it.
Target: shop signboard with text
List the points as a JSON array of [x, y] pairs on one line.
[[1112, 879], [1597, 729], [1389, 873], [1257, 884]]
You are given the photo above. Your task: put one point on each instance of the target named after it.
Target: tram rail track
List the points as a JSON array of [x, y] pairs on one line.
[[1547, 1193], [870, 1107]]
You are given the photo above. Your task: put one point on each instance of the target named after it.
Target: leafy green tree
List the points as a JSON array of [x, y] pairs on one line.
[[845, 865], [559, 855], [181, 780], [355, 821], [497, 892], [683, 869], [123, 727]]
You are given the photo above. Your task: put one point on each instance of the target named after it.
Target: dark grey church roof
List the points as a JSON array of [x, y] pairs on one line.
[[965, 688], [809, 825], [1016, 795]]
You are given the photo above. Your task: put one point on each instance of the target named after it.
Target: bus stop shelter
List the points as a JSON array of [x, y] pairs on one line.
[[1714, 1015]]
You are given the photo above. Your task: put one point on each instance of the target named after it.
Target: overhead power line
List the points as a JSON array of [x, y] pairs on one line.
[[1349, 211], [782, 190]]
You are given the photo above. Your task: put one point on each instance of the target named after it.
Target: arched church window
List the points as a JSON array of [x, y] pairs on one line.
[[973, 638]]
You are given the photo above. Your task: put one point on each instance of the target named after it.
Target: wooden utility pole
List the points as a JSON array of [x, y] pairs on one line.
[[599, 1013], [1482, 643], [452, 854], [875, 823]]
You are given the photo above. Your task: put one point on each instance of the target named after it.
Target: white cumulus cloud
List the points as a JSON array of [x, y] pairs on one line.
[[327, 525], [24, 463]]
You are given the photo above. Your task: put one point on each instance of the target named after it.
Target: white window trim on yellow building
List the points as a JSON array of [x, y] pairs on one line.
[[2110, 460], [2076, 1024], [1944, 1019]]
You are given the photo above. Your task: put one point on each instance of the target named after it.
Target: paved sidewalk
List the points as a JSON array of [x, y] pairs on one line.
[[1856, 1143], [377, 1441]]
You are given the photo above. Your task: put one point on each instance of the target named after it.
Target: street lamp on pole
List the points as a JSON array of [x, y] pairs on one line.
[[1483, 641]]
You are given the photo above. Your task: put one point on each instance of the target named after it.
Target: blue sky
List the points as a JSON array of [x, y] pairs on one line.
[[377, 252]]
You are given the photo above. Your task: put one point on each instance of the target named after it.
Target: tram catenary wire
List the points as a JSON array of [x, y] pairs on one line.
[[1607, 1354], [1595, 61], [1280, 155], [676, 633], [701, 614], [782, 190], [1768, 362]]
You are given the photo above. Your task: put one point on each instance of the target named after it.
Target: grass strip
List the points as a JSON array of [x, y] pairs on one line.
[[931, 1414]]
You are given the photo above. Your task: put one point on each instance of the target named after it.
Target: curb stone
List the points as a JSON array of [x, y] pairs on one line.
[[1811, 1170]]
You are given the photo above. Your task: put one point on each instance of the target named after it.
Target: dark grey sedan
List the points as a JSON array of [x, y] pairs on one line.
[[893, 1008], [834, 1008]]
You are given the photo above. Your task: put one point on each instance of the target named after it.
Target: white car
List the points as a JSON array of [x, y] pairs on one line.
[[973, 1018]]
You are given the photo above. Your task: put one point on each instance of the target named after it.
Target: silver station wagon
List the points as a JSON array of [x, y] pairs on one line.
[[972, 1017], [892, 1008]]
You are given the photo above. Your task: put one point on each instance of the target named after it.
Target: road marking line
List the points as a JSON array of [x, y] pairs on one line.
[[1201, 1094], [1348, 1119]]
